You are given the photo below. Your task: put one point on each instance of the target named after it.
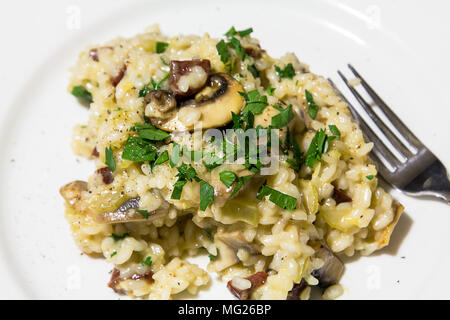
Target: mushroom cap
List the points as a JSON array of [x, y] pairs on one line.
[[223, 97]]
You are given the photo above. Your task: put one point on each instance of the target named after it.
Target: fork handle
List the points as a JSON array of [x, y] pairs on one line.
[[433, 181]]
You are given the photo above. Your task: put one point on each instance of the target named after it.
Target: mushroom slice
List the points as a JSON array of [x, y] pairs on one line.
[[236, 241], [161, 104], [127, 212], [73, 194], [264, 120], [331, 271], [211, 107], [188, 77], [226, 258], [244, 288]]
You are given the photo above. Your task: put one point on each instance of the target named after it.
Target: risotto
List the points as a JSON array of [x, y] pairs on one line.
[[211, 147]]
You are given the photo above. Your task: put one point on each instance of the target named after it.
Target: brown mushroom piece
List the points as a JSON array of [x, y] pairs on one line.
[[188, 77], [212, 106], [161, 104], [331, 271], [127, 212], [236, 241], [73, 193]]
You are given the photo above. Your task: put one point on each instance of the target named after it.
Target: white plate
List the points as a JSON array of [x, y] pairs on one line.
[[400, 46]]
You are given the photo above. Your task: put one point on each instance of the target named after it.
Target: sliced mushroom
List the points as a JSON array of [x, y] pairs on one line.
[[114, 282], [73, 194], [127, 212], [331, 271], [386, 233], [340, 196], [256, 280], [189, 76], [226, 258], [119, 76], [296, 290], [161, 104], [236, 241], [106, 174], [212, 106]]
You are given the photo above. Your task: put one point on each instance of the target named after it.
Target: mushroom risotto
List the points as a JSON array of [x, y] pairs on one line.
[[212, 147]]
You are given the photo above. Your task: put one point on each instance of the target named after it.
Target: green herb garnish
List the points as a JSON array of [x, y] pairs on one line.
[[370, 176], [82, 93], [283, 118], [334, 130], [241, 33], [253, 71], [228, 177], [117, 237], [109, 158], [147, 261], [163, 157], [144, 213], [270, 90], [113, 254], [319, 145], [161, 47], [178, 189], [313, 108], [287, 72], [147, 131], [154, 86], [175, 155], [255, 103], [138, 150], [282, 200], [240, 183], [206, 195]]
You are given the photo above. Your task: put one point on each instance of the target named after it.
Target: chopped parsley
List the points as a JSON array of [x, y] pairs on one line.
[[287, 72], [117, 237], [282, 200], [82, 93], [318, 146], [312, 106], [212, 257], [254, 102], [242, 33], [154, 86], [109, 158], [253, 71], [212, 161], [138, 149], [147, 131], [298, 155], [175, 156], [228, 177], [283, 118], [334, 130], [163, 157], [161, 47], [206, 195], [113, 254], [370, 176], [222, 50], [178, 189], [147, 261], [144, 213], [240, 183], [270, 90], [185, 173]]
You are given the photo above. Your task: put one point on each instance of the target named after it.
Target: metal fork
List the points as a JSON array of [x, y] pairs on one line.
[[419, 173]]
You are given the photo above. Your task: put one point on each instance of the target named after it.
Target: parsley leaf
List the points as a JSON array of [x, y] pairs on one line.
[[283, 118], [222, 50], [334, 130], [161, 47], [270, 90], [109, 158], [154, 86], [147, 261], [282, 200], [253, 71], [82, 93], [206, 195], [149, 132], [186, 172], [144, 213], [177, 189], [298, 155], [287, 72], [241, 33], [163, 157], [175, 155], [319, 145], [212, 257], [138, 150], [227, 177], [312, 106], [370, 176], [113, 254], [117, 237], [255, 103], [240, 183]]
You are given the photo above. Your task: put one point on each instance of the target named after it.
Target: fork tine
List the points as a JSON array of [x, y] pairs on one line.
[[404, 151], [379, 148], [393, 118]]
